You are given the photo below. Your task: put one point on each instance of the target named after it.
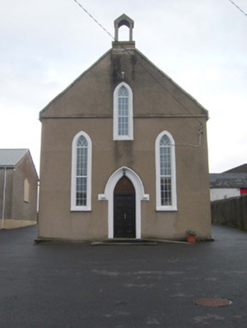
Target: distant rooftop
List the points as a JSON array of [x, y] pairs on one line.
[[238, 169], [228, 180], [10, 157]]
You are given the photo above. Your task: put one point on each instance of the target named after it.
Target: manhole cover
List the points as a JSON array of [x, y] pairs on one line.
[[216, 302]]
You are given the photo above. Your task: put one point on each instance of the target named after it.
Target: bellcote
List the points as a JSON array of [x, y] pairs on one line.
[[127, 44]]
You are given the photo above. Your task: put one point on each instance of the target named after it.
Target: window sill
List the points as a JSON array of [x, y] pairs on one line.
[[80, 209], [123, 138], [166, 209]]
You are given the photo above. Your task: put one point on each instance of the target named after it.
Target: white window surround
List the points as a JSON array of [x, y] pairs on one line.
[[173, 206], [26, 191], [116, 135], [109, 195], [73, 206]]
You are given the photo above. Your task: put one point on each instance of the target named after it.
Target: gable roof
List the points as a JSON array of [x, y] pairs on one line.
[[203, 109], [123, 20], [228, 180], [42, 112], [10, 157], [238, 169], [147, 66]]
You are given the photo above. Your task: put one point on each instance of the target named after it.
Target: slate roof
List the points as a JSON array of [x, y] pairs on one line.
[[238, 169], [228, 180], [10, 157]]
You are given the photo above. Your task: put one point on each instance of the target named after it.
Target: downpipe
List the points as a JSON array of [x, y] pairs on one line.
[[4, 193]]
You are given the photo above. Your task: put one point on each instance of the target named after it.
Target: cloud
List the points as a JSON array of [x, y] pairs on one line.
[[46, 45]]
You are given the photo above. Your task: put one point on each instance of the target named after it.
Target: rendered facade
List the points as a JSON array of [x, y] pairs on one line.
[[124, 154]]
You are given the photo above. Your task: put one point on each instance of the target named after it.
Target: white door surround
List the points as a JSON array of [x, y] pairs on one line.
[[109, 195]]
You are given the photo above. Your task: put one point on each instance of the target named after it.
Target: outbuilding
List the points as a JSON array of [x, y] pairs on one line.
[[18, 188]]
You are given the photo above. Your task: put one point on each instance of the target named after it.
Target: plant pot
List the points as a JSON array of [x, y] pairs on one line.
[[191, 239]]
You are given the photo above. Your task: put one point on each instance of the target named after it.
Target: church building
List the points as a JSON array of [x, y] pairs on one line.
[[124, 154]]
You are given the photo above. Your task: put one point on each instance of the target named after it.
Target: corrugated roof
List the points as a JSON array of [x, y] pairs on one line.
[[10, 157], [228, 180]]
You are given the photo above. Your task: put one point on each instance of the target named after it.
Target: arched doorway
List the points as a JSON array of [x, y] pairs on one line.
[[124, 209], [109, 196]]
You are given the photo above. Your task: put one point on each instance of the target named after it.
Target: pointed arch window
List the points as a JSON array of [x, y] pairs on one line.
[[123, 112], [81, 173], [166, 196]]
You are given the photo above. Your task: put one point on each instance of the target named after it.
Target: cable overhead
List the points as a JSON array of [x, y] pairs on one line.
[[200, 130], [238, 7], [156, 80], [95, 20]]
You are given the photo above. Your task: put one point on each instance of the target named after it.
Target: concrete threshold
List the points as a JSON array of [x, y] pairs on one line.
[[103, 243], [133, 241]]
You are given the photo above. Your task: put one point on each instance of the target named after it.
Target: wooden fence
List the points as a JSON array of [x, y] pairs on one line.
[[230, 211]]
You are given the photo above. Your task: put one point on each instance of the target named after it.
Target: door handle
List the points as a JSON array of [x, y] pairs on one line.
[[124, 216]]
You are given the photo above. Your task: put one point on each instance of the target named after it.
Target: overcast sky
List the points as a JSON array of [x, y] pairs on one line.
[[201, 45]]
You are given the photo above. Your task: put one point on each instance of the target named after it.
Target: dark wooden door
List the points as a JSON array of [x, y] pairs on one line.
[[124, 216]]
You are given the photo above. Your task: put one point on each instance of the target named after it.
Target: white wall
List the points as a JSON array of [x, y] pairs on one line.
[[223, 193]]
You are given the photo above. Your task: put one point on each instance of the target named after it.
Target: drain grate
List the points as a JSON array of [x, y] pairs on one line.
[[214, 302]]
